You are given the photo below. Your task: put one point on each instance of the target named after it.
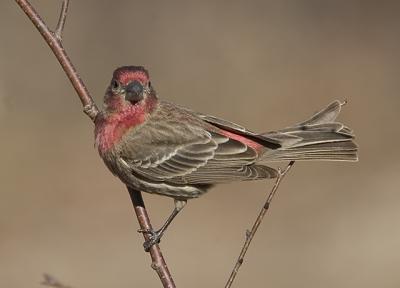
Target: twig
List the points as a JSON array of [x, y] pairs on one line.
[[50, 281], [61, 20], [54, 40], [158, 263], [250, 234]]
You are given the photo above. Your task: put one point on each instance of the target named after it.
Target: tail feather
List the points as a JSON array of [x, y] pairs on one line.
[[318, 138], [327, 115]]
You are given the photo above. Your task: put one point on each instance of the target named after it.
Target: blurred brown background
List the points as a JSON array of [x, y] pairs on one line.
[[263, 64]]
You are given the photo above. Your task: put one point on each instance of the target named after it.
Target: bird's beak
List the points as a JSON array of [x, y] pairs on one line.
[[134, 92]]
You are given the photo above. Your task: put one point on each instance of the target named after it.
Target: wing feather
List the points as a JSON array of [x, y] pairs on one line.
[[181, 152]]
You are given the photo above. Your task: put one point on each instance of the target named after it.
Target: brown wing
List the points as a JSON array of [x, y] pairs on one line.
[[182, 151]]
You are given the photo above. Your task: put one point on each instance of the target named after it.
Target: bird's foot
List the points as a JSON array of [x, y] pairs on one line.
[[154, 238]]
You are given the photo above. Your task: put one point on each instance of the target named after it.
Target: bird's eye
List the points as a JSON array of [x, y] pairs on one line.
[[115, 85]]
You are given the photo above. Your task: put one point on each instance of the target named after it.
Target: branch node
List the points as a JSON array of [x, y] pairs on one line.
[[155, 266], [248, 233], [91, 110], [61, 20], [280, 172]]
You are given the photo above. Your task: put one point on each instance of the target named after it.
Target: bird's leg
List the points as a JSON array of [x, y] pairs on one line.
[[155, 235]]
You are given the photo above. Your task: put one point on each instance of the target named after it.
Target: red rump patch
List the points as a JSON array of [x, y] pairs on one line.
[[128, 74], [256, 146]]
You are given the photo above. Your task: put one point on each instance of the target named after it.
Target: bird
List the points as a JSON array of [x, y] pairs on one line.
[[159, 147]]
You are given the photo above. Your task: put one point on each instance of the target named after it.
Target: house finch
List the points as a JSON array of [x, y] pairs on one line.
[[162, 148]]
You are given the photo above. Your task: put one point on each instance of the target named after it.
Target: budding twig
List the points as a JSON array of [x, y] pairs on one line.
[[250, 234], [54, 40]]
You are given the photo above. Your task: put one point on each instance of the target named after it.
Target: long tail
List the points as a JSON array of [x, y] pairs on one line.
[[318, 138]]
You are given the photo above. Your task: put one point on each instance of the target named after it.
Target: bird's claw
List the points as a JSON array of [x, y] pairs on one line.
[[154, 238]]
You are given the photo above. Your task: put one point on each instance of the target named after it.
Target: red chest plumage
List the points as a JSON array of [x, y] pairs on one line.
[[110, 128]]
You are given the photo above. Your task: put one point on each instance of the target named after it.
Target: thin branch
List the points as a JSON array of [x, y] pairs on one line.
[[158, 262], [55, 44], [51, 281], [250, 234], [61, 21], [54, 40]]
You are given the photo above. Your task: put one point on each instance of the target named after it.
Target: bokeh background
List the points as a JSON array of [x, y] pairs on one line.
[[263, 64]]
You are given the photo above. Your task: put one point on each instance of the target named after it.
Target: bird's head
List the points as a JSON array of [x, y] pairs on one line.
[[128, 102], [129, 89]]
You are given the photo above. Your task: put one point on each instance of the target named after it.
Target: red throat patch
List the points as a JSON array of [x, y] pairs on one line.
[[109, 129]]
